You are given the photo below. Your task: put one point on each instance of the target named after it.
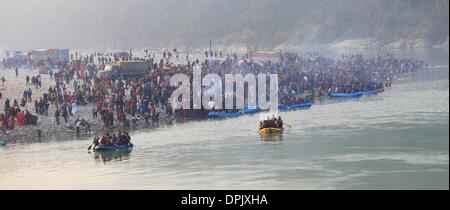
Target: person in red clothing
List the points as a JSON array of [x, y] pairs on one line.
[[102, 140], [69, 98], [21, 118]]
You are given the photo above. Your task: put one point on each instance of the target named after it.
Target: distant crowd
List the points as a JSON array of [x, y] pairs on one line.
[[302, 78]]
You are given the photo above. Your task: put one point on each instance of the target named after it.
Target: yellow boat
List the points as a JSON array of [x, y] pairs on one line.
[[270, 130]]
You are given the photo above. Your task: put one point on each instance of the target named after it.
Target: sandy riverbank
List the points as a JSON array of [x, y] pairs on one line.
[[47, 126]]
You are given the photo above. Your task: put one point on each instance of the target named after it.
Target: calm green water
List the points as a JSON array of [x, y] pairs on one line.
[[394, 140]]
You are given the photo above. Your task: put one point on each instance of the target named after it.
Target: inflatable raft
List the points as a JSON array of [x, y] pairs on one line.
[[370, 91], [121, 147], [294, 106], [251, 110], [346, 95], [2, 142], [270, 130], [299, 106], [282, 107], [223, 114]]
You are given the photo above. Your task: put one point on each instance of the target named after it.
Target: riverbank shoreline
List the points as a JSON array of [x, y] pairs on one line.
[[47, 127]]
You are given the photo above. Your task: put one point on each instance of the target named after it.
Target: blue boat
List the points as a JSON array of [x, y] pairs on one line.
[[2, 142], [121, 147], [300, 106], [251, 110], [223, 114], [370, 91], [283, 107], [346, 95], [213, 114]]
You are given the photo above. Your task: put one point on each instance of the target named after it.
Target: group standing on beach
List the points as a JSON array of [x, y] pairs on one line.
[[128, 100]]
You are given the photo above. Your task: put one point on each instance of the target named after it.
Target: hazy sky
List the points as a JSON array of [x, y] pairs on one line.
[[62, 23], [105, 24]]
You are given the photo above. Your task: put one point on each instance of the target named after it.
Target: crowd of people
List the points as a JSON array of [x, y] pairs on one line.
[[117, 100], [114, 140], [271, 122]]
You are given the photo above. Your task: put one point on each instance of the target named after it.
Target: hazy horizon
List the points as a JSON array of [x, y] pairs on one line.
[[265, 24]]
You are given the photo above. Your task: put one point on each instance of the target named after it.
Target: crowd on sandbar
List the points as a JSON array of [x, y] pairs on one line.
[[76, 83]]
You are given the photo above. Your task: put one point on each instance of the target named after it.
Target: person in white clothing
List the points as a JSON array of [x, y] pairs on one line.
[[74, 108]]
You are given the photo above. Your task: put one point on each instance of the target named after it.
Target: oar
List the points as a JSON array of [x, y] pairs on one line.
[[288, 125], [95, 140], [90, 146]]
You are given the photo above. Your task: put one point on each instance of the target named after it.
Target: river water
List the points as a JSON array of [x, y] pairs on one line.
[[394, 140]]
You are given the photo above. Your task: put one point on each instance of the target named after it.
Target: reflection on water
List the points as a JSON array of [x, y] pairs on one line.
[[273, 138], [106, 156]]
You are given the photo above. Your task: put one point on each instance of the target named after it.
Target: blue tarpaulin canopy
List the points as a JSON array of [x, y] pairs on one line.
[[63, 54]]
